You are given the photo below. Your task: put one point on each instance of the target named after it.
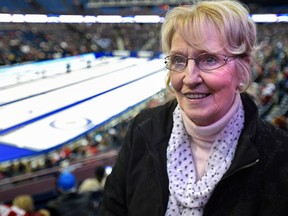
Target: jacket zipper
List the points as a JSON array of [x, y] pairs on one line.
[[241, 168], [237, 170]]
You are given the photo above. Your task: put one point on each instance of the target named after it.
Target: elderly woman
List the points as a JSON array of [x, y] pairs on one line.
[[205, 152]]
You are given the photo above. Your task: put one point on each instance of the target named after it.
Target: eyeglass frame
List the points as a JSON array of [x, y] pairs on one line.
[[226, 59]]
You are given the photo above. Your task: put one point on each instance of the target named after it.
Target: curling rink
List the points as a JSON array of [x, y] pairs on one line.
[[41, 114]]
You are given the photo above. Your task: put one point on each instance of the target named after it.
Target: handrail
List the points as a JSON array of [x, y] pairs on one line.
[[16, 180]]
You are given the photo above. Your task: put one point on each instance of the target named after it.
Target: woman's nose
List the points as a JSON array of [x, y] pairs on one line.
[[192, 74]]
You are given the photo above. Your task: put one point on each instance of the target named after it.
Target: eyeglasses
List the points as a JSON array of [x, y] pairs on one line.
[[206, 62]]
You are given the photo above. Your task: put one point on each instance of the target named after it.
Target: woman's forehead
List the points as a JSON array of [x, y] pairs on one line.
[[208, 39]]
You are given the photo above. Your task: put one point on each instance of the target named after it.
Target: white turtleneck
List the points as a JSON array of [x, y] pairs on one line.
[[202, 137]]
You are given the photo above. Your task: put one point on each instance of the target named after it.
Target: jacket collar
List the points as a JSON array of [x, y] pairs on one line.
[[157, 129], [246, 153]]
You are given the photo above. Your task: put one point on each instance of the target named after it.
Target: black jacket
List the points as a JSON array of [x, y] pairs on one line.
[[256, 184], [72, 204]]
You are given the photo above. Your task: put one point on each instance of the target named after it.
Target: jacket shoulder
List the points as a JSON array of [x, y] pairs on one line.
[[268, 133], [152, 125], [161, 112]]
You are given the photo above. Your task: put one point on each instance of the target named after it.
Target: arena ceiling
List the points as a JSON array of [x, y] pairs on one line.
[[267, 2]]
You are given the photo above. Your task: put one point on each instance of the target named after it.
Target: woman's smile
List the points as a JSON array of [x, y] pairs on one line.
[[196, 96]]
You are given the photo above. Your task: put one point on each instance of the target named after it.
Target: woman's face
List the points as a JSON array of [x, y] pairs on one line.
[[204, 96]]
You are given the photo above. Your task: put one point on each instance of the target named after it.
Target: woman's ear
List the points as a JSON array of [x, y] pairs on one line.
[[240, 87]]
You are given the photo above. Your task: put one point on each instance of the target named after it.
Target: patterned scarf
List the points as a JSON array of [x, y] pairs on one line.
[[187, 195]]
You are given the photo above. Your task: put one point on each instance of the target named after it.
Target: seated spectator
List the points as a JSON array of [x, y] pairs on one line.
[[6, 210], [267, 99], [47, 211], [70, 202], [94, 186], [283, 83], [96, 183], [43, 212], [24, 202], [22, 205], [280, 122]]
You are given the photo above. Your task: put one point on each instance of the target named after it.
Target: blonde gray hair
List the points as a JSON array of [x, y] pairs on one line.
[[229, 18]]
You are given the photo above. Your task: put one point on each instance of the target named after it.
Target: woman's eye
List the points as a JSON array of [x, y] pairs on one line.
[[178, 60], [209, 59]]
